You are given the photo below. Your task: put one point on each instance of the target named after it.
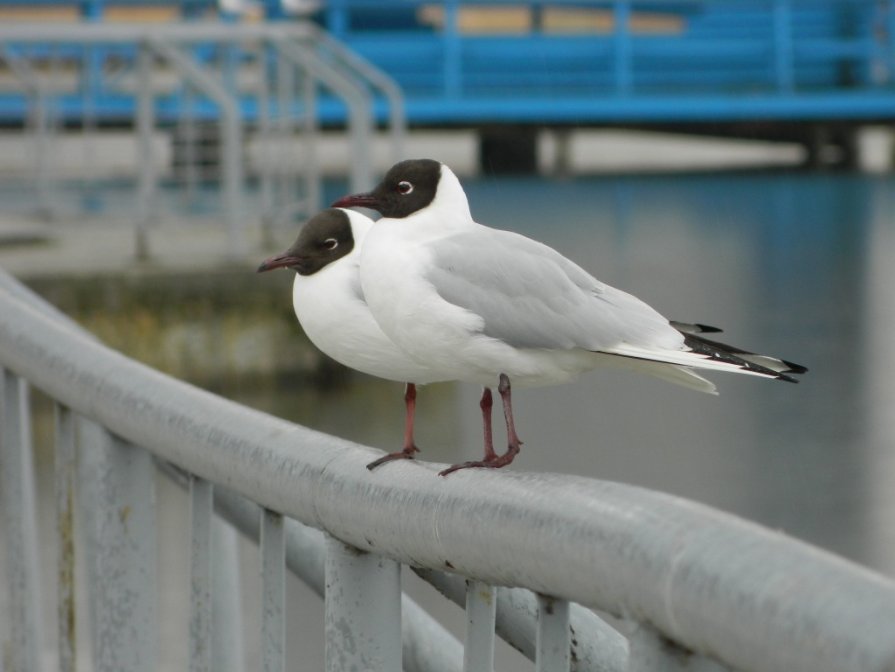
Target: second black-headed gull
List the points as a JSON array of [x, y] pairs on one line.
[[329, 304], [494, 306]]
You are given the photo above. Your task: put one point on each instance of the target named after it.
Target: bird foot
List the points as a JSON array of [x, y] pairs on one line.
[[405, 454], [495, 462]]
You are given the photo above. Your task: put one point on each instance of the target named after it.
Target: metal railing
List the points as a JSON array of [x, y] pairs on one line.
[[675, 585], [219, 90]]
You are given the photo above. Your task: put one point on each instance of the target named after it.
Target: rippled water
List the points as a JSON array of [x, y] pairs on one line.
[[791, 264]]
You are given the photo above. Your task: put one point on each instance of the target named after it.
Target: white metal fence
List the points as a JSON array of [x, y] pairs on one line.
[[589, 575]]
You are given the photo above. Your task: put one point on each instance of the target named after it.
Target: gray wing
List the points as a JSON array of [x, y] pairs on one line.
[[530, 296]]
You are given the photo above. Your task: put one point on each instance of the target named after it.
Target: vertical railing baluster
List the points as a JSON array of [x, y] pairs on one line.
[[273, 588], [311, 131], [481, 611], [621, 40], [228, 654], [146, 180], [17, 507], [65, 530], [201, 515], [119, 478], [552, 646], [363, 610]]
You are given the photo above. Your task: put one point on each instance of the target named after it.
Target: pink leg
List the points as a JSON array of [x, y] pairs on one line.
[[406, 453], [492, 460], [513, 442]]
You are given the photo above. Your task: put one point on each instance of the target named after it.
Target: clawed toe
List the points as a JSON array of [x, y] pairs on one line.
[[406, 454]]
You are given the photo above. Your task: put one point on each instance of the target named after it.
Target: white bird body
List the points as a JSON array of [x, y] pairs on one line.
[[541, 319], [331, 309], [492, 306], [330, 306]]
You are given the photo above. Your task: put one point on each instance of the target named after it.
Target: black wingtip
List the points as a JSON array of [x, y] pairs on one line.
[[794, 368], [741, 358], [708, 329]]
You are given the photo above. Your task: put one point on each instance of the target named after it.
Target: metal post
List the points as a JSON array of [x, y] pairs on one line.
[[201, 561], [621, 15], [65, 471], [310, 129], [481, 609], [265, 147], [17, 508], [228, 654], [146, 179], [40, 121], [231, 136], [363, 610], [273, 603], [285, 92], [597, 646], [122, 576], [453, 75], [363, 71], [360, 109], [553, 639], [783, 70]]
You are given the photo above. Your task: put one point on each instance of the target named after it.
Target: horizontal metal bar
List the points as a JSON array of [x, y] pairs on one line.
[[128, 33], [708, 580]]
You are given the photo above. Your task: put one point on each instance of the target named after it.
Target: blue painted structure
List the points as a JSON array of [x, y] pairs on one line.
[[707, 61], [721, 60]]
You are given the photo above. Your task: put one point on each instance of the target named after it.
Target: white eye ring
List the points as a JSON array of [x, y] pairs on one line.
[[330, 243], [405, 187]]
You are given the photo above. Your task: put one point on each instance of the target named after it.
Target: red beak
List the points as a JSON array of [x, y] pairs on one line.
[[367, 200], [279, 261]]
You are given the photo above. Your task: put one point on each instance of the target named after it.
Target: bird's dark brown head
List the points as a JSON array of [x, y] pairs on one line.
[[327, 237], [408, 186]]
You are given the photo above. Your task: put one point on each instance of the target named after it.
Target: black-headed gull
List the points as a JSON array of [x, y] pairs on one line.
[[330, 306], [494, 306]]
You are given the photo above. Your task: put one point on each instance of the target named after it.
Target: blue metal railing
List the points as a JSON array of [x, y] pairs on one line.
[[581, 61]]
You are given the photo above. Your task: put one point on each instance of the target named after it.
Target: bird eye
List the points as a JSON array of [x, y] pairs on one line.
[[330, 243], [405, 187]]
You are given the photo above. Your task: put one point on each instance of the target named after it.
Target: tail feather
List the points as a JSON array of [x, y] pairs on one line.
[[702, 353], [748, 361]]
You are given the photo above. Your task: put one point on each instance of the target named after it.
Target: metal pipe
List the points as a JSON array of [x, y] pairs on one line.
[[65, 470], [35, 84], [146, 177], [273, 589], [362, 608], [231, 127], [596, 647], [360, 117], [712, 582], [427, 646], [19, 521], [379, 79], [201, 561]]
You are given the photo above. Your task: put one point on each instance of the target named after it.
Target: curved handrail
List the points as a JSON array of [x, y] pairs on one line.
[[748, 596]]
